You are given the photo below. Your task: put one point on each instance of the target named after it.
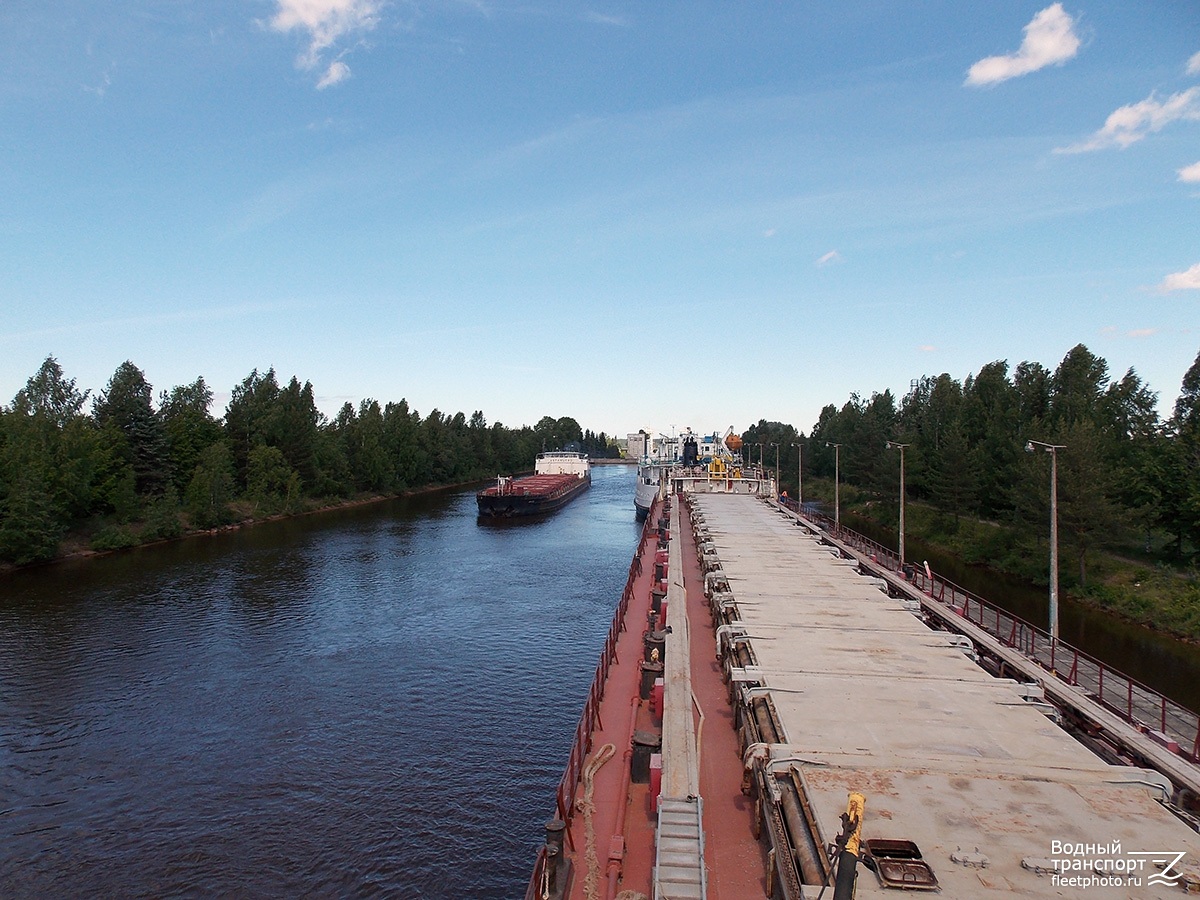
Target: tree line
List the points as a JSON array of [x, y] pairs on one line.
[[128, 469], [1124, 476]]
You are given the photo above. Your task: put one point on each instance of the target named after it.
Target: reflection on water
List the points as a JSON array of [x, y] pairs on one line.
[[370, 702]]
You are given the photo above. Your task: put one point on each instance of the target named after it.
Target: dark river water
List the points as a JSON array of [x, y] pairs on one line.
[[374, 702]]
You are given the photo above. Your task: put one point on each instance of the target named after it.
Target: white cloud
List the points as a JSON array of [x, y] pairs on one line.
[[1131, 123], [831, 257], [325, 22], [1193, 66], [927, 348], [1050, 39], [337, 71], [1190, 173], [770, 232], [1188, 280], [1142, 332]]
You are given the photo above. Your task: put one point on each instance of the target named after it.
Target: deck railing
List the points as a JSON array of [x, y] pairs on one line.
[[582, 744], [1167, 722]]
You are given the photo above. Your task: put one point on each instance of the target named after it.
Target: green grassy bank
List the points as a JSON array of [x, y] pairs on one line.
[[1135, 581]]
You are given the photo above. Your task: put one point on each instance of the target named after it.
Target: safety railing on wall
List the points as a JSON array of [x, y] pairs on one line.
[[1167, 722]]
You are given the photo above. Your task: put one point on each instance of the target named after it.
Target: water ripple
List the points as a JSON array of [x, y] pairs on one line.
[[374, 703]]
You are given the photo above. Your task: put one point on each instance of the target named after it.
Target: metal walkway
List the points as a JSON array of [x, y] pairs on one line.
[[679, 867]]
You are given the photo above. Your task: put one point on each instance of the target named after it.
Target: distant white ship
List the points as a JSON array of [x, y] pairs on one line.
[[706, 463]]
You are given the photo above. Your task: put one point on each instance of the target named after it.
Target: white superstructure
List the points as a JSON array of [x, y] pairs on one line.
[[563, 462], [696, 463]]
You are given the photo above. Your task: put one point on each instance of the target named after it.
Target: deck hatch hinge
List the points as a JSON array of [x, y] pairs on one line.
[[749, 673]]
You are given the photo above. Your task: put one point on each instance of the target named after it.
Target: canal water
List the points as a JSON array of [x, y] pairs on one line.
[[372, 702]]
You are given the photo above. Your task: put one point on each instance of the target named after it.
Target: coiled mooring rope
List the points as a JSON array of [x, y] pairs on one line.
[[585, 805]]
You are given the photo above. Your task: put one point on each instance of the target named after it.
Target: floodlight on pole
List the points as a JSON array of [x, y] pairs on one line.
[[799, 477], [894, 445], [1052, 449], [837, 483]]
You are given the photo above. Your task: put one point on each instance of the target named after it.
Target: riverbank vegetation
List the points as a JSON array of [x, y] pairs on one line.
[[125, 470], [1128, 482]]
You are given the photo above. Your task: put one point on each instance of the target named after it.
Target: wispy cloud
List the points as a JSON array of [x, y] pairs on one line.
[[337, 71], [325, 22], [1050, 39], [1131, 123], [831, 257], [1141, 332], [1190, 174], [1193, 66], [100, 88], [927, 348], [1188, 280]]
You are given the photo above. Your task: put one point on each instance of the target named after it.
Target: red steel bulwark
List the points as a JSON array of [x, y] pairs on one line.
[[623, 815]]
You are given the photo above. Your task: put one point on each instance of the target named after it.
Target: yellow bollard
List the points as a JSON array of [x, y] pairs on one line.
[[847, 870]]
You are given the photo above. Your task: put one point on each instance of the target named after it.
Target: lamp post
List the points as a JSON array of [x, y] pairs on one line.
[[893, 445], [837, 484], [1052, 449], [799, 477], [776, 446]]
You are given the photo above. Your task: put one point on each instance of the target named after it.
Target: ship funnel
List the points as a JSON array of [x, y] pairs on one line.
[[690, 452]]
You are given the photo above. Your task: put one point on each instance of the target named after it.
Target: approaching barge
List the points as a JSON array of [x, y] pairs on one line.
[[775, 714], [559, 477]]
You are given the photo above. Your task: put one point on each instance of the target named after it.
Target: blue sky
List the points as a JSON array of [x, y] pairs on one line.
[[639, 215]]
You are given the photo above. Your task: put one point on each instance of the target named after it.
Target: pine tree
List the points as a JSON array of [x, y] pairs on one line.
[[126, 405], [1179, 471]]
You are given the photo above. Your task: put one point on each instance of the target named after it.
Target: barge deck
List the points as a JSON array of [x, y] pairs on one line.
[[792, 683]]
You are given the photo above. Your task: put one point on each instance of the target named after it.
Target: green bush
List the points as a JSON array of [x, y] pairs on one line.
[[163, 522], [114, 537]]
